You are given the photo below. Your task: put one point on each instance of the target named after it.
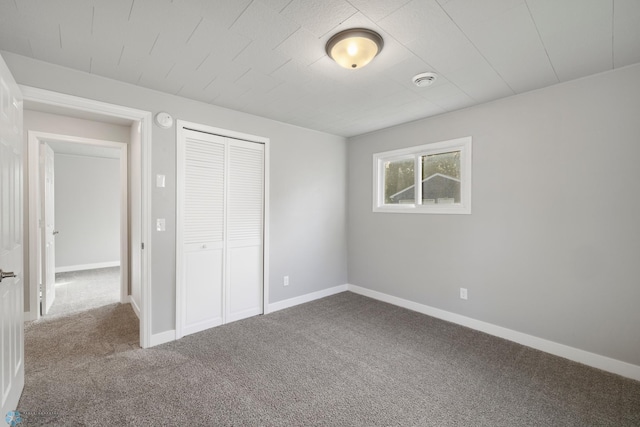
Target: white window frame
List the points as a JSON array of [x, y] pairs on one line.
[[379, 159]]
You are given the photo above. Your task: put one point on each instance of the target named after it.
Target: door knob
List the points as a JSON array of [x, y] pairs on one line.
[[6, 275], [55, 232]]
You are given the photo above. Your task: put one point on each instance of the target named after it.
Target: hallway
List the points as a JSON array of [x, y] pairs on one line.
[[78, 291]]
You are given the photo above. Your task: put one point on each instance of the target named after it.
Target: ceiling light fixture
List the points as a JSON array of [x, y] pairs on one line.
[[354, 48]]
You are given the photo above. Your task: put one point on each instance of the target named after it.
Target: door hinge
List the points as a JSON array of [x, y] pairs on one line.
[[142, 244]]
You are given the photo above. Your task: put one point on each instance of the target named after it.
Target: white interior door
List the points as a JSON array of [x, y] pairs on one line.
[[11, 291], [48, 229]]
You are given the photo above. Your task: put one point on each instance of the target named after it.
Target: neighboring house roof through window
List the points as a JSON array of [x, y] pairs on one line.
[[408, 193]]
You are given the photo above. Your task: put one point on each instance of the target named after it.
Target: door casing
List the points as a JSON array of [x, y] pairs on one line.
[[69, 102], [47, 226], [35, 141]]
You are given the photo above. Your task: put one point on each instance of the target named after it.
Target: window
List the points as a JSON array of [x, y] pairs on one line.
[[431, 178]]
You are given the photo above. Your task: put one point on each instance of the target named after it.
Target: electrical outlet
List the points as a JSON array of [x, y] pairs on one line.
[[463, 293], [285, 282]]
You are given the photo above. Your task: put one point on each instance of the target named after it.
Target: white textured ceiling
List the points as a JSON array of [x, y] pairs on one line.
[[266, 57]]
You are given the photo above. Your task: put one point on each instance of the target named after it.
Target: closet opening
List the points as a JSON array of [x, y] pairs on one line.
[[221, 227]]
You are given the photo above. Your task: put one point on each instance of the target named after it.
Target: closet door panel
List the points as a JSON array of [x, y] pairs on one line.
[[203, 296], [203, 232], [245, 280], [245, 213], [245, 204], [204, 188]]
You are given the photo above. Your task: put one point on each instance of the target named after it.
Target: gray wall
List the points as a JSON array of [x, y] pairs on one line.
[[62, 125], [87, 210], [308, 185], [551, 247]]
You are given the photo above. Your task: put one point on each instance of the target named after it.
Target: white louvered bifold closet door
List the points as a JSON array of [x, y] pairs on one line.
[[245, 205], [220, 222], [203, 231]]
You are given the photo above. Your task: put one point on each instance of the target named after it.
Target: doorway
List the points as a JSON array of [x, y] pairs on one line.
[[137, 246], [83, 215]]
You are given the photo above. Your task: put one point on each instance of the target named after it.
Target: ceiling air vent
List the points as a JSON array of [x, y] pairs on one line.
[[424, 79]]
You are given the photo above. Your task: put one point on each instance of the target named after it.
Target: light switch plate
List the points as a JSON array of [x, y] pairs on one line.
[[160, 181], [161, 224]]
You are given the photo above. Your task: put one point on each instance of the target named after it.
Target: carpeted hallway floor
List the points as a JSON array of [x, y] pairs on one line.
[[345, 360], [83, 290]]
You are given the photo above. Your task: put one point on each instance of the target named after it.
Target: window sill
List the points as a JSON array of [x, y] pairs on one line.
[[412, 209]]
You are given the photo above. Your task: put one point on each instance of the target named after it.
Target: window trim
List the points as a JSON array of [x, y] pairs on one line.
[[459, 144]]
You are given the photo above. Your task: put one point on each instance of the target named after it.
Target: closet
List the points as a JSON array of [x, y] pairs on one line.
[[220, 230]]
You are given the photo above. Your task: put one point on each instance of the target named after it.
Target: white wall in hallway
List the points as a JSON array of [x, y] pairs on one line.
[[87, 195]]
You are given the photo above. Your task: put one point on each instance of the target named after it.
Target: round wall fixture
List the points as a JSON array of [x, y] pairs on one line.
[[424, 79], [164, 120], [354, 48]]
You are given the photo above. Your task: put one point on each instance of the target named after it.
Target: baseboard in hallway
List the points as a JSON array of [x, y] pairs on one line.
[[81, 267]]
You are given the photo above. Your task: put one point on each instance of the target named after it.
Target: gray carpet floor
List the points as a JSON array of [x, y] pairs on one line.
[[345, 360], [83, 290]]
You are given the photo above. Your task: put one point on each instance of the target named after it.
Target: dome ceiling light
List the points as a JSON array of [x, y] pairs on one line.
[[354, 48]]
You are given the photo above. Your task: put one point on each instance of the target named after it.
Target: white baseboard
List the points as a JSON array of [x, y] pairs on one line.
[[162, 337], [291, 302], [81, 267], [581, 356]]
